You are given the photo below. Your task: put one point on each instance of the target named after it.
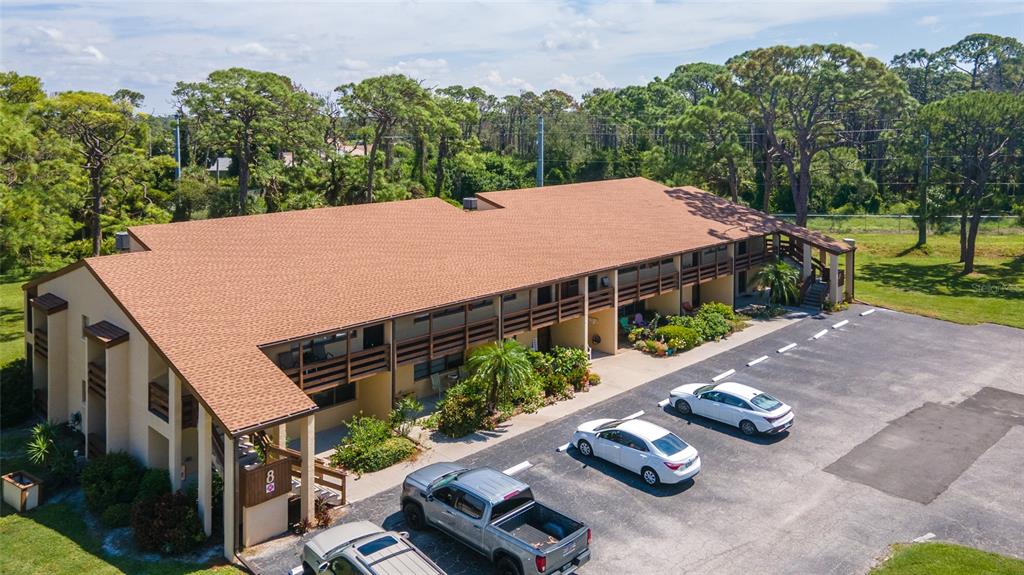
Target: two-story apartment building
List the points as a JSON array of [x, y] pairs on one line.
[[202, 333]]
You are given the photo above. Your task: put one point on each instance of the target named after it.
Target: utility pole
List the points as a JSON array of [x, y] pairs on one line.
[[177, 145], [922, 224], [540, 151]]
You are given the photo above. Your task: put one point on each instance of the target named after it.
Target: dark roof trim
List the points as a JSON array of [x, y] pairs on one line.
[[106, 333], [49, 303]]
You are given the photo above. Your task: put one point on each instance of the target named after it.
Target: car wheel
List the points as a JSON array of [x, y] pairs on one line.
[[649, 476], [508, 566], [413, 516], [585, 449], [748, 428], [683, 407]]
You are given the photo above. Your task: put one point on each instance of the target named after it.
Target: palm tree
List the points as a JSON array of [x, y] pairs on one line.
[[502, 365], [782, 279]]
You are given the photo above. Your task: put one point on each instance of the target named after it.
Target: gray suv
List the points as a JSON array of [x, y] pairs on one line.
[[362, 548]]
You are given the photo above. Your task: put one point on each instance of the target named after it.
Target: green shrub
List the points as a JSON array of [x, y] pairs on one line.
[[679, 337], [370, 445], [16, 389], [721, 309], [462, 411], [402, 416], [593, 378], [167, 524], [110, 479], [572, 364], [527, 397], [117, 515], [154, 483]]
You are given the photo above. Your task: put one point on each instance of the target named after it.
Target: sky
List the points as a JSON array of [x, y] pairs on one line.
[[504, 47]]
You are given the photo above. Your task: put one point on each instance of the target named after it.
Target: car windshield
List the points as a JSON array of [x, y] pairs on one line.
[[669, 444], [766, 402], [704, 388]]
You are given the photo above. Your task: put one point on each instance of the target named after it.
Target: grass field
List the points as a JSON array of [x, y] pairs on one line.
[[892, 273], [946, 559]]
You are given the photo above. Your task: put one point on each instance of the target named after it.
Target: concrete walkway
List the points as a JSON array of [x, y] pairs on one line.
[[619, 373]]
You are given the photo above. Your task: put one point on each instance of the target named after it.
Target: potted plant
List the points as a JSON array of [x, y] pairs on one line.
[[21, 490]]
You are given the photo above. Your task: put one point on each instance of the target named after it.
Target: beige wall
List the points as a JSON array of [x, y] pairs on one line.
[[665, 304], [603, 323], [719, 289], [526, 338], [118, 392], [263, 521], [570, 333]]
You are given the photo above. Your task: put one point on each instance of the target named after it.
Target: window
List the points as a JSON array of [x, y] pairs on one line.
[[335, 395], [376, 545], [509, 297], [441, 364], [733, 401], [85, 324], [712, 396], [570, 289], [669, 444], [613, 436], [633, 442], [421, 318], [766, 402], [471, 505], [511, 504], [482, 303], [741, 247], [342, 566], [445, 495]]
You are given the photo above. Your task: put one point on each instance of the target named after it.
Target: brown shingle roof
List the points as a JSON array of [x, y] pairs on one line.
[[106, 333], [50, 303], [210, 292]]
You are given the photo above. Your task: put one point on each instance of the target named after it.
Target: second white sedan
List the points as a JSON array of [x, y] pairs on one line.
[[749, 409], [658, 455]]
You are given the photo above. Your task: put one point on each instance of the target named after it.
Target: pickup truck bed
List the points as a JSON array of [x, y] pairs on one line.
[[539, 526]]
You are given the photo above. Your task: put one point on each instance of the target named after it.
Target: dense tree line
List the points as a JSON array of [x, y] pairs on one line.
[[819, 128]]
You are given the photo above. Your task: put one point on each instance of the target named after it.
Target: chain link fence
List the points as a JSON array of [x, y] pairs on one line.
[[903, 224]]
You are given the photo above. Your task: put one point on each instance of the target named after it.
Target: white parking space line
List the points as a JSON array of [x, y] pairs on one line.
[[723, 375], [757, 361], [868, 312], [925, 537], [518, 468], [562, 448], [819, 334], [785, 349], [634, 415], [663, 403], [841, 324]]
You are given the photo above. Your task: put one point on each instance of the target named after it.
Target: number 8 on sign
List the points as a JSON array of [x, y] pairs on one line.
[[271, 484]]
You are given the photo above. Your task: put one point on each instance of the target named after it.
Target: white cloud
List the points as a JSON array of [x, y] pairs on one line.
[[95, 53], [861, 46], [353, 65], [250, 49], [419, 68], [495, 82], [582, 84], [931, 20]]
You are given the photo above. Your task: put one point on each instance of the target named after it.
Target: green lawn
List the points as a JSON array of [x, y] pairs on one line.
[[892, 273], [54, 539], [12, 337], [946, 559]]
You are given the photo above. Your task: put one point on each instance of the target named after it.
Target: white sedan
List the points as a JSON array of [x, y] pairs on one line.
[[658, 455], [734, 403]]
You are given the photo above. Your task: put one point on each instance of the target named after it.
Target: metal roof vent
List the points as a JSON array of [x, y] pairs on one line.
[[469, 203], [122, 242]]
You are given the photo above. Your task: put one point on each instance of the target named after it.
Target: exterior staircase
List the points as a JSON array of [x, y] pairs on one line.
[[815, 296]]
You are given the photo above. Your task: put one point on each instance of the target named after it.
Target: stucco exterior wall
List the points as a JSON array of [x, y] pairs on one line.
[[570, 333], [719, 289], [263, 521], [603, 324], [665, 304]]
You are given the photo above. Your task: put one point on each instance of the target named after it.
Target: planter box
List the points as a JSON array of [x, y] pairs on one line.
[[21, 490]]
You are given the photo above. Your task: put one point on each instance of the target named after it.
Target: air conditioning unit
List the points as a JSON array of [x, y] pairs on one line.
[[122, 242], [469, 203]]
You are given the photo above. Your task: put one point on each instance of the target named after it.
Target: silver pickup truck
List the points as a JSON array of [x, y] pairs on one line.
[[496, 515]]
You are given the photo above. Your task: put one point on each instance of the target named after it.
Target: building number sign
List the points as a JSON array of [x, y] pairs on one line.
[[271, 484]]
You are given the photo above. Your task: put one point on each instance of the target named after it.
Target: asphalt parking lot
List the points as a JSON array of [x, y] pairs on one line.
[[904, 426]]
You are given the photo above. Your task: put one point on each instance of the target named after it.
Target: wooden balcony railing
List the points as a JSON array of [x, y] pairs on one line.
[[542, 315], [333, 371], [42, 343], [750, 259], [323, 474], [600, 299], [158, 403], [645, 288], [189, 411], [98, 379], [446, 342]]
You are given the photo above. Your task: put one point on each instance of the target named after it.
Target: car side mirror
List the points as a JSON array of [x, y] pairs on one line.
[[430, 497], [403, 534], [323, 567]]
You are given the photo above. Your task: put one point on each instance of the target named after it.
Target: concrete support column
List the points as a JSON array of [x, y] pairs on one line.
[[174, 421], [117, 408], [307, 437], [281, 435], [833, 278], [500, 303], [586, 316], [808, 270], [204, 437], [615, 308], [57, 383], [230, 488]]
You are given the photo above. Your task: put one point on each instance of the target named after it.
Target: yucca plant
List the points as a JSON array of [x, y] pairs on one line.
[[782, 279], [41, 443]]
